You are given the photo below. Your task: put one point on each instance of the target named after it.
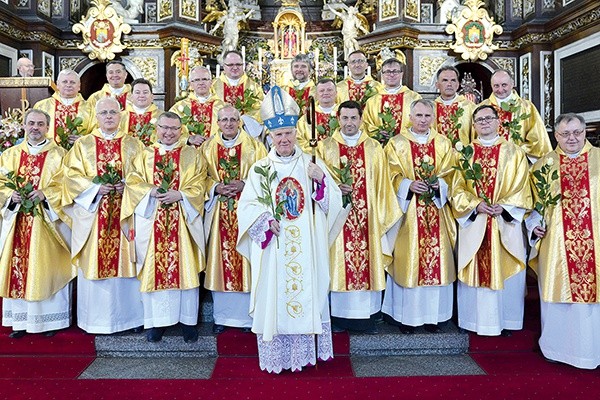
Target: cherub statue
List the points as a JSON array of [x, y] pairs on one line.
[[131, 11], [353, 22], [229, 19]]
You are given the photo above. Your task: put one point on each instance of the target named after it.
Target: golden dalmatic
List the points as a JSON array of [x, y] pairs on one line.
[[361, 253], [423, 251], [445, 115], [230, 94], [350, 89], [170, 240], [565, 259], [59, 111], [135, 122], [226, 269], [35, 261], [492, 250], [99, 246], [106, 92], [204, 112]]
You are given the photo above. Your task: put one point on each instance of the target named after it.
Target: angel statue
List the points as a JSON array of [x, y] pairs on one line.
[[130, 10], [229, 19], [352, 23]]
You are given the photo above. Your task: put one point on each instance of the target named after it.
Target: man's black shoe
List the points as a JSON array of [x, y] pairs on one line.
[[155, 334], [17, 334], [432, 328], [190, 333], [247, 330], [506, 333], [216, 329], [406, 329]]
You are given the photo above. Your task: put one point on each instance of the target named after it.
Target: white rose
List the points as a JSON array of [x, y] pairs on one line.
[[459, 146], [153, 121], [344, 160], [4, 171], [162, 151], [111, 164], [181, 108], [550, 161], [232, 152], [427, 159], [386, 104]]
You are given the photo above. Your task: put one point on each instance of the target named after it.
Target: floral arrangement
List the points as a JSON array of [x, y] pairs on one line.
[[424, 172], [370, 91], [11, 128], [24, 189]]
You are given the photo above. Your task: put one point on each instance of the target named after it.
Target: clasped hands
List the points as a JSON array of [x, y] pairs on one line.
[[33, 196], [493, 210], [420, 187], [169, 197], [231, 189]]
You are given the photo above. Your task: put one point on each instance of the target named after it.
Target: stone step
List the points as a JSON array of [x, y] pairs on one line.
[[389, 342]]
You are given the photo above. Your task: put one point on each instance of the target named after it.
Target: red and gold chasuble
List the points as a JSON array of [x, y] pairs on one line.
[[228, 221], [444, 122], [578, 228], [166, 227], [323, 120], [30, 168], [300, 94], [232, 93], [121, 98], [504, 116], [136, 121], [428, 222], [356, 91], [356, 227], [109, 228], [395, 103], [61, 111], [202, 113], [487, 157]]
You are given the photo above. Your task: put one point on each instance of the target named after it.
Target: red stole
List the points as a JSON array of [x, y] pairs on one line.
[[296, 96], [356, 227], [228, 226], [30, 167], [109, 227], [395, 102], [444, 123], [61, 111], [504, 116], [428, 223], [202, 113], [136, 121], [578, 228], [487, 157], [323, 120], [166, 229], [232, 93], [356, 90]]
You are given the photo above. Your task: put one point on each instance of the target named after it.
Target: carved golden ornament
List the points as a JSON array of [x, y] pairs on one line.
[[428, 66], [148, 66], [165, 8], [412, 9], [474, 31], [505, 63], [101, 30]]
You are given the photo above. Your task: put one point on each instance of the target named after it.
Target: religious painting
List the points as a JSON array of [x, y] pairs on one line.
[[47, 65], [290, 195]]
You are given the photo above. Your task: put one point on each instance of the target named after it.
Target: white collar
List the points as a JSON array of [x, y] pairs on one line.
[[489, 142]]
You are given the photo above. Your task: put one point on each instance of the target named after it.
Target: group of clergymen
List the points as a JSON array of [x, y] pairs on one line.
[[405, 196]]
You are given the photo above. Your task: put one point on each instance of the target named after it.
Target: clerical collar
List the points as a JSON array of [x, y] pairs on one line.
[[108, 136], [488, 142], [574, 155], [202, 99], [286, 159], [301, 85], [167, 147], [117, 90], [67, 102], [393, 90], [34, 149], [139, 110], [507, 98], [229, 142], [448, 102], [421, 138], [351, 140], [360, 80], [327, 110], [233, 82]]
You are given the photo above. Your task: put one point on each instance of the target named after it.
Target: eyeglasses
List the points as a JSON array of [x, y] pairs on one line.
[[169, 128], [357, 61], [104, 113], [487, 120], [391, 72], [199, 80], [226, 120], [234, 65], [575, 134]]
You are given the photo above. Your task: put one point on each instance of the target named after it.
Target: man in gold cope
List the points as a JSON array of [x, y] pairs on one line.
[[568, 270], [419, 285], [325, 115], [361, 253], [358, 86], [35, 266], [66, 102], [116, 74], [163, 201], [229, 154], [141, 113], [530, 134], [201, 107], [491, 245], [108, 292]]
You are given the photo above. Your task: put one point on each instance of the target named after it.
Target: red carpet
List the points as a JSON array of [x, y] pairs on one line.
[[72, 341]]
